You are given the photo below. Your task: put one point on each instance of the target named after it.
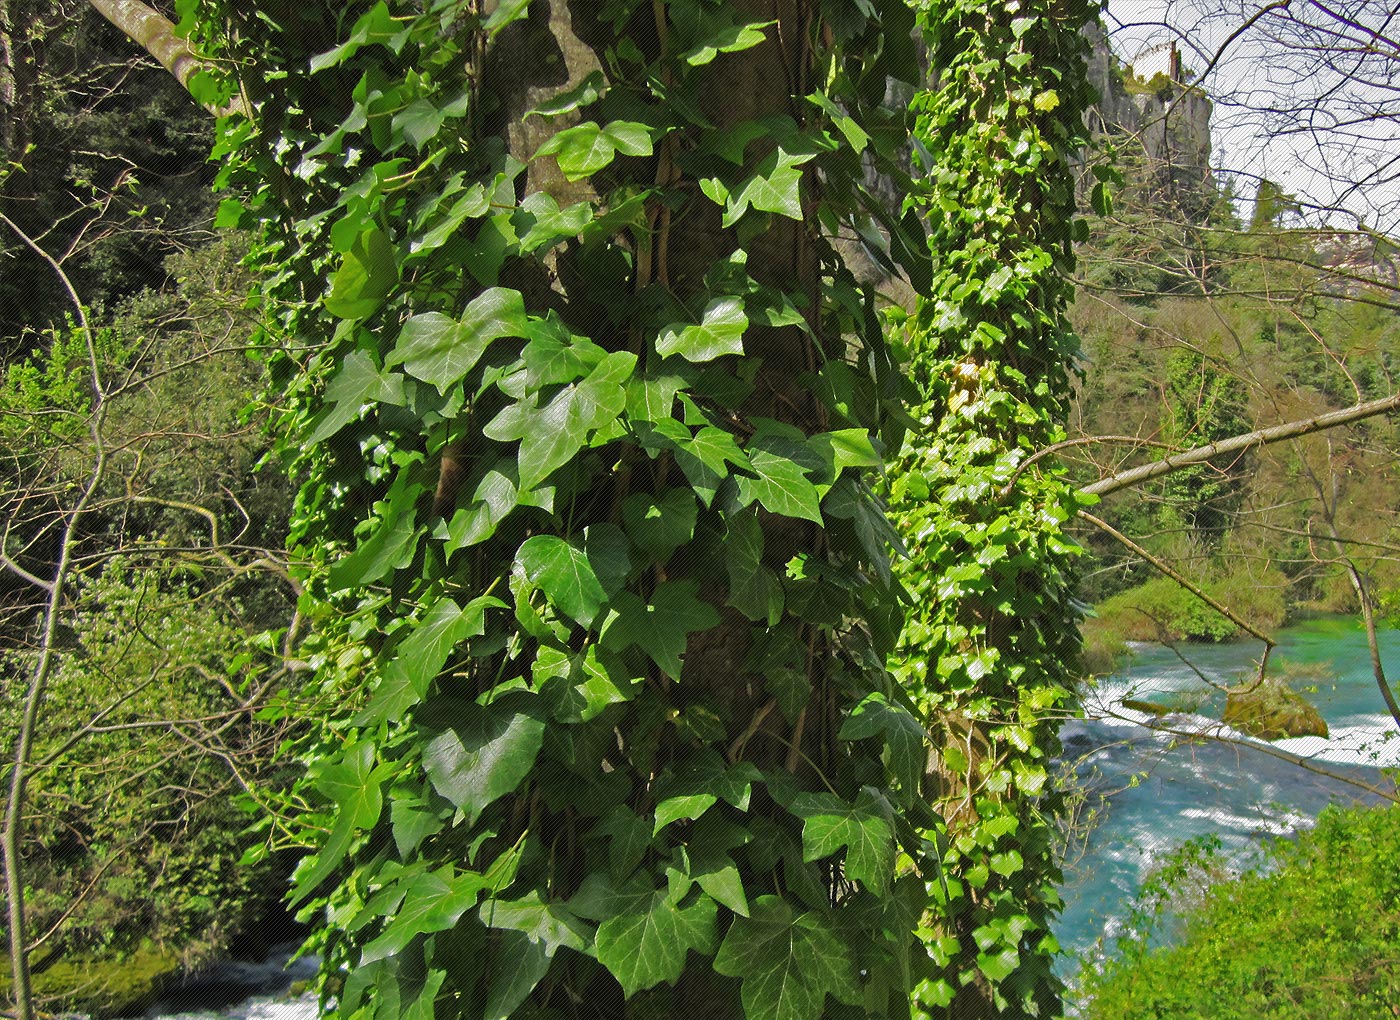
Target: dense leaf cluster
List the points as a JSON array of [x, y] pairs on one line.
[[989, 647], [1312, 934], [585, 401]]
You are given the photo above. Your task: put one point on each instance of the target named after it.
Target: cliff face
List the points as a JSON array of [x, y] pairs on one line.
[[1148, 110]]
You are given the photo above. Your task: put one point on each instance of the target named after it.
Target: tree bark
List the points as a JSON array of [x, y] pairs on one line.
[[1238, 444], [156, 34]]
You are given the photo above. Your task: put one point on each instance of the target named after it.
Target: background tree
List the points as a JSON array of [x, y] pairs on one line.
[[137, 548]]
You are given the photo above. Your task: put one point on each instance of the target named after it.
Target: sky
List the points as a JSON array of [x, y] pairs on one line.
[[1308, 97]]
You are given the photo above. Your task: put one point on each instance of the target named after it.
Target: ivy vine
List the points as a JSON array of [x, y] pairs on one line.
[[587, 407], [990, 644]]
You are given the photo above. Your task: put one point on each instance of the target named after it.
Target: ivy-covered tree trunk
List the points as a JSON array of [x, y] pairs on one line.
[[991, 642], [586, 412], [552, 292]]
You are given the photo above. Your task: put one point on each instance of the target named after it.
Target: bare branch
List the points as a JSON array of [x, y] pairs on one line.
[[1238, 444]]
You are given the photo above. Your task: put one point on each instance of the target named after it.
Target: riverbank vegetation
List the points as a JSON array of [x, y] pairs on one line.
[[1311, 933]]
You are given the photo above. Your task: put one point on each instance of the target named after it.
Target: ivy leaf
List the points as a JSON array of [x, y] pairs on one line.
[[421, 656], [552, 924], [354, 784], [651, 398], [787, 963], [540, 222], [782, 486], [586, 148], [754, 589], [904, 736], [550, 436], [484, 755], [648, 947], [390, 546], [412, 823], [682, 807], [475, 203], [660, 526], [864, 828], [556, 355], [419, 122], [725, 38], [495, 497], [433, 902], [518, 966], [366, 275], [705, 459], [628, 836], [441, 350], [507, 12], [774, 187], [719, 332], [846, 448], [356, 383], [562, 571], [585, 93], [660, 629]]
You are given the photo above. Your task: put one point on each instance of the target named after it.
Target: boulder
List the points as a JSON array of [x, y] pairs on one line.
[[1147, 707], [1272, 710]]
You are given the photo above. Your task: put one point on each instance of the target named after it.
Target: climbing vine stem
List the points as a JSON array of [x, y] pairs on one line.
[[991, 639]]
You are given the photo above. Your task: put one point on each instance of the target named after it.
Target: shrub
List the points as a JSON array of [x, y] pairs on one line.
[[1314, 935]]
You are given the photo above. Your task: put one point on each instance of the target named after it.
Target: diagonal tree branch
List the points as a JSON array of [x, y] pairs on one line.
[[1238, 444], [156, 34]]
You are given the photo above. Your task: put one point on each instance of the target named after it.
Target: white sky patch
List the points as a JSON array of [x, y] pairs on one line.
[[1307, 95]]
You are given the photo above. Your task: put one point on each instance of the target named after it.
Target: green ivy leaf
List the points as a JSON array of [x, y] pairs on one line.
[[628, 836], [474, 204], [390, 546], [904, 737], [681, 808], [421, 656], [754, 589], [433, 902], [725, 38], [585, 93], [550, 436], [366, 275], [774, 187], [562, 571], [864, 828], [719, 332], [660, 629], [485, 754], [356, 383], [787, 963], [355, 786], [552, 924], [648, 947], [441, 350], [662, 525], [586, 148], [782, 485], [518, 965], [651, 398], [419, 122]]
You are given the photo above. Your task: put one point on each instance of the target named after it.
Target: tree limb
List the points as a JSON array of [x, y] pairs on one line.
[[1238, 444], [156, 34]]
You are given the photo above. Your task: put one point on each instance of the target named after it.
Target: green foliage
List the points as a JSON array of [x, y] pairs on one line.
[[991, 638], [133, 834], [1312, 934], [131, 837], [596, 568], [1204, 404], [1162, 610]]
